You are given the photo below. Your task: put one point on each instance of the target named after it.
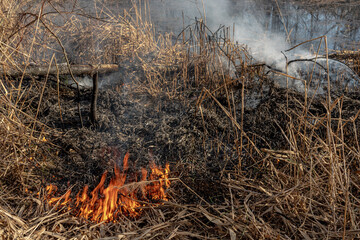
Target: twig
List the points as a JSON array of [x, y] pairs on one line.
[[283, 22]]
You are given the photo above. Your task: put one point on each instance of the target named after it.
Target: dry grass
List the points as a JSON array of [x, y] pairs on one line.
[[307, 189]]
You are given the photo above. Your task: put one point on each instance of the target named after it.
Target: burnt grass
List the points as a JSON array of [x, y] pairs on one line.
[[150, 128], [199, 144]]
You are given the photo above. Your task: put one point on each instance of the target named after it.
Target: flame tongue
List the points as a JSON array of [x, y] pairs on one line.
[[108, 204]]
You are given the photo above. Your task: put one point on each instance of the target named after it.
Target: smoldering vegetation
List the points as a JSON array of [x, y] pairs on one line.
[[261, 132]]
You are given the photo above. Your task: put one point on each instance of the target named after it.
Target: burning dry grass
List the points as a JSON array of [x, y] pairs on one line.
[[117, 199], [302, 184]]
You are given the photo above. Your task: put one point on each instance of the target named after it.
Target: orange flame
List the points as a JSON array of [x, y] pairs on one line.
[[108, 204]]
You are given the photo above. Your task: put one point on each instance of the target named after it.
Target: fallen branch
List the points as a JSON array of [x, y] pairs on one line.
[[65, 69], [43, 70]]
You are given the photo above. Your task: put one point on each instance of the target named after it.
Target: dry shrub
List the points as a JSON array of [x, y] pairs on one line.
[[95, 36], [308, 189], [18, 141], [11, 18]]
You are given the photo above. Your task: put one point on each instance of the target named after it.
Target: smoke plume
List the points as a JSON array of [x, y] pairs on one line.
[[246, 19]]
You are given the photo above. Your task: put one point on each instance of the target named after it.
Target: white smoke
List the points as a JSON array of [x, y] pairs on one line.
[[248, 20]]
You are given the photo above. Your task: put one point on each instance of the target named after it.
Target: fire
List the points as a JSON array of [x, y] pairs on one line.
[[105, 204]]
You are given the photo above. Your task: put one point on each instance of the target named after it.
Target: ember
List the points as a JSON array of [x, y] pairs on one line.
[[117, 199]]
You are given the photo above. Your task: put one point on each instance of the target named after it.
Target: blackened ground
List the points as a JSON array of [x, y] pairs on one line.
[[199, 143], [150, 128]]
